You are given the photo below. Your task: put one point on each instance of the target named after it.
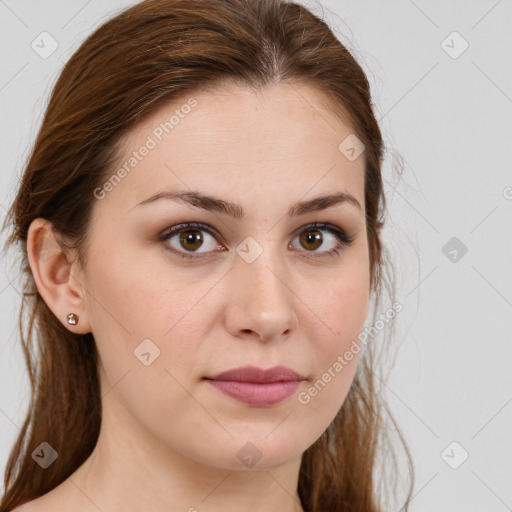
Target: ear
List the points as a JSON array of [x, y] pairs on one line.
[[58, 279]]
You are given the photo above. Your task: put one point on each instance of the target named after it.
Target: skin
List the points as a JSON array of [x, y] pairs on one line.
[[169, 440]]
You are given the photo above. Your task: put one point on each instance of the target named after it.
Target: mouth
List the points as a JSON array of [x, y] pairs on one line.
[[257, 387]]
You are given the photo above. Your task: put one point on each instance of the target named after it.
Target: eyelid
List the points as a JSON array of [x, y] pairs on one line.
[[175, 229], [327, 226]]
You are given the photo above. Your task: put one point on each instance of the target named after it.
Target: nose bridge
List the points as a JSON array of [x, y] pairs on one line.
[[261, 288], [261, 265]]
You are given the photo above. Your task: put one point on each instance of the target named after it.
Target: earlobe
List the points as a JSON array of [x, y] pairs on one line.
[[54, 275]]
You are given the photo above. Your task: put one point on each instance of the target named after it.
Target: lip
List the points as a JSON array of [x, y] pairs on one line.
[[256, 386]]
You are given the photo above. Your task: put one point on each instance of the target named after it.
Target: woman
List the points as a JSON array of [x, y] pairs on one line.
[[200, 220]]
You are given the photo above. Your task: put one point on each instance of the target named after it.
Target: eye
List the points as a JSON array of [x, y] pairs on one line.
[[311, 238], [189, 236]]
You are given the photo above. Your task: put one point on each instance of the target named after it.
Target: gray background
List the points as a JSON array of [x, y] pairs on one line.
[[448, 115]]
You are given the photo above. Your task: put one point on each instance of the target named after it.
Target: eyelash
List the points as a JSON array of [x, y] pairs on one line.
[[343, 239]]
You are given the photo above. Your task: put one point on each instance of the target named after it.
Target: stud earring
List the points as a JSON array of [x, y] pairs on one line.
[[72, 319]]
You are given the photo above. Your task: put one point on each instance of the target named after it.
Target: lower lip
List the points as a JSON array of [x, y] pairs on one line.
[[253, 393]]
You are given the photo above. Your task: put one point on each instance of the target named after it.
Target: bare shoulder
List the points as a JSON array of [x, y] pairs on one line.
[[30, 506], [38, 505], [26, 507], [63, 498], [50, 502]]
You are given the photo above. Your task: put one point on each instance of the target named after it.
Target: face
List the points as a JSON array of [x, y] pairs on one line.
[[170, 309]]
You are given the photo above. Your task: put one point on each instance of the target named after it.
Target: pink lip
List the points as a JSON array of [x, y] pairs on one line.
[[256, 386]]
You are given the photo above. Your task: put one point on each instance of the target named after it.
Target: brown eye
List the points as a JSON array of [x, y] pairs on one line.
[[191, 239], [311, 239]]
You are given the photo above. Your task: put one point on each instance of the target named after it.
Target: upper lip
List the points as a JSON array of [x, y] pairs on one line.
[[255, 374]]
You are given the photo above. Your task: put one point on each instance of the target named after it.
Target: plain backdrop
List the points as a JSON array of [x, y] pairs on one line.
[[441, 80]]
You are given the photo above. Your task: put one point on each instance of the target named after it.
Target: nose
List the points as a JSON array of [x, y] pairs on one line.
[[261, 302]]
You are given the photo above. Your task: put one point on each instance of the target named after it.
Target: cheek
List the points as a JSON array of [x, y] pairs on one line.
[[135, 301], [134, 291], [342, 309], [340, 303], [142, 306]]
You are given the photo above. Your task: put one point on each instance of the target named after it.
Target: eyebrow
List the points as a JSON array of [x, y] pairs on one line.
[[235, 210]]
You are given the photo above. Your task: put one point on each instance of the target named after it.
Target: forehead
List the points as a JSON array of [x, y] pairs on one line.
[[283, 138]]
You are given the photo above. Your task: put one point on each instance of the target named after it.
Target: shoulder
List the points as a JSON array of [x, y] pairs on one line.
[[46, 503], [26, 507], [62, 498], [37, 505]]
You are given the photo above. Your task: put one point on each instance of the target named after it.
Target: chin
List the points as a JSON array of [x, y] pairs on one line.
[[265, 453]]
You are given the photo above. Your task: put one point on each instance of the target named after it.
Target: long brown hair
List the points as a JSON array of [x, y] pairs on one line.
[[128, 68]]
